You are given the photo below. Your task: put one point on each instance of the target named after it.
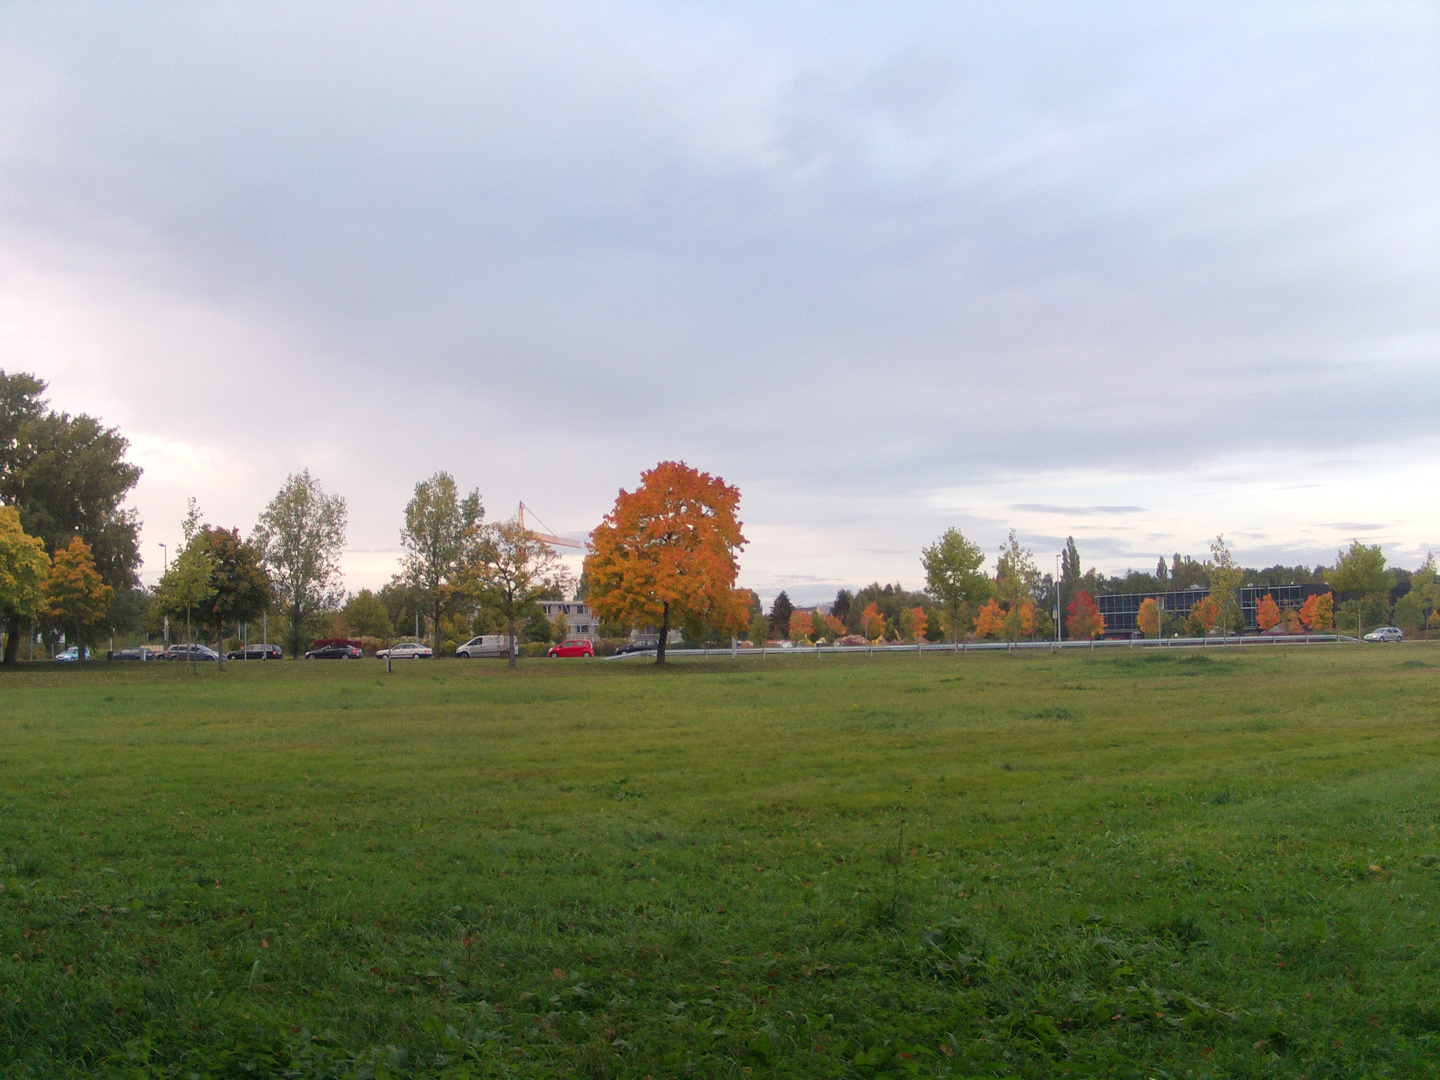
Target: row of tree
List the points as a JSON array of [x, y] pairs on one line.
[[665, 557], [1015, 601]]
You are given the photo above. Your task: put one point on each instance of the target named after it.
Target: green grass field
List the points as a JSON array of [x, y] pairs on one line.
[[1114, 864]]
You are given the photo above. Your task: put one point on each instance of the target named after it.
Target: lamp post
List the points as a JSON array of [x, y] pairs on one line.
[[165, 561], [1058, 559]]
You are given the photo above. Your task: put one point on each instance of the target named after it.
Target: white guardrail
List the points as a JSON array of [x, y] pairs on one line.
[[724, 652]]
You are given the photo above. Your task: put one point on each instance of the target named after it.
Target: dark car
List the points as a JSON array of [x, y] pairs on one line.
[[188, 652], [139, 652], [256, 652], [335, 652], [637, 647]]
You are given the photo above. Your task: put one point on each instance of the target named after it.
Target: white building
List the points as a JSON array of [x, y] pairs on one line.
[[578, 616]]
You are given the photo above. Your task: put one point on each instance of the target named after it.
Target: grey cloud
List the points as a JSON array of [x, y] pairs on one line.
[[1076, 511], [865, 253]]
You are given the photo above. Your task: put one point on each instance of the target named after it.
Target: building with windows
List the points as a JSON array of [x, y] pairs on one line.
[[1121, 609], [578, 616]]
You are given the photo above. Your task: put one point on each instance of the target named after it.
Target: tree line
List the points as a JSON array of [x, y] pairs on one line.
[[664, 558], [1015, 601]]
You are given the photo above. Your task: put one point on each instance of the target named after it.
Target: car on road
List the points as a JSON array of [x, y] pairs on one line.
[[70, 655], [637, 647], [334, 652], [137, 652], [256, 652], [573, 647], [406, 650], [188, 652], [1386, 633], [485, 645]]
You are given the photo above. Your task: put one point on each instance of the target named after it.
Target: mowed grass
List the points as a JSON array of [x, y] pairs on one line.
[[1216, 864]]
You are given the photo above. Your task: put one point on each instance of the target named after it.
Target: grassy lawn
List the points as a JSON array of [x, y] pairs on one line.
[[1126, 865]]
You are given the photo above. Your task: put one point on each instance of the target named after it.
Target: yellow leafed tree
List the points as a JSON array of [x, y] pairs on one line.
[[24, 566], [75, 597]]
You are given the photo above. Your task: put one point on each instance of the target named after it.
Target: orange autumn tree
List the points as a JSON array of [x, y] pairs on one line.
[[75, 597], [1202, 616], [990, 621], [872, 623], [1085, 621], [919, 620], [836, 627], [1019, 621], [1147, 619], [802, 626], [1318, 613], [1267, 613], [666, 555]]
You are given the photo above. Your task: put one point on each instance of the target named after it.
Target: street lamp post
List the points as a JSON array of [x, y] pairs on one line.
[[1058, 559], [165, 559]]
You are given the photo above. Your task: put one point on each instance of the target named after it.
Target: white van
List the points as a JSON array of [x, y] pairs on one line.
[[493, 645]]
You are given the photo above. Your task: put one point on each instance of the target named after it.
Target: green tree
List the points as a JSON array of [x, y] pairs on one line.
[[242, 587], [1225, 578], [759, 632], [1069, 576], [24, 566], [953, 574], [66, 476], [1360, 571], [512, 569], [189, 584], [1016, 575], [302, 533], [439, 533], [780, 612], [367, 616]]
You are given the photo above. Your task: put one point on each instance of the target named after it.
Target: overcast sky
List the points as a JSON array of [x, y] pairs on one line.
[[1137, 273]]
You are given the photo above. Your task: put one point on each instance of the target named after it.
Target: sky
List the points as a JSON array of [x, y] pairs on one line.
[[1133, 273]]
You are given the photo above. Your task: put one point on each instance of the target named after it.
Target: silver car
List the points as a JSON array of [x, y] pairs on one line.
[[1386, 633], [406, 650]]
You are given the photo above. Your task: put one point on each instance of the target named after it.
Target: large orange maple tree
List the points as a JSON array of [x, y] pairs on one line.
[[666, 555]]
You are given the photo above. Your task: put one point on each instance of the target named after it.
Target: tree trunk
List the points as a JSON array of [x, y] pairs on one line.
[[664, 633], [510, 645], [295, 651], [12, 641], [435, 633]]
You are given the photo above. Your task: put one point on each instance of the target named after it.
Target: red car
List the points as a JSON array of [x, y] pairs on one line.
[[572, 648]]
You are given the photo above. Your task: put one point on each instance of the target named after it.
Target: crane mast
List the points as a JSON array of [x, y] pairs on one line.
[[549, 538]]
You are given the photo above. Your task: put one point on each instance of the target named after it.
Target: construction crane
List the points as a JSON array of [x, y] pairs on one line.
[[547, 537]]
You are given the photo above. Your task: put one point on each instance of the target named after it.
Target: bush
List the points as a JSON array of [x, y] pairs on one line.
[[610, 646], [534, 648]]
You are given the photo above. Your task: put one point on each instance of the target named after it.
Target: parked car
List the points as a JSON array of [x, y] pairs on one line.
[[188, 652], [137, 652], [637, 647], [406, 650], [335, 652], [491, 645], [574, 647], [70, 655], [1386, 633], [256, 652]]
